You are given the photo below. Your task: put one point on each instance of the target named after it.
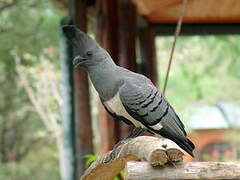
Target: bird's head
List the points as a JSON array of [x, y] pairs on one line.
[[87, 51]]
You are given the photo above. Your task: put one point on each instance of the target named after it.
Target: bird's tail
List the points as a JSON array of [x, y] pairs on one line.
[[186, 145], [183, 142]]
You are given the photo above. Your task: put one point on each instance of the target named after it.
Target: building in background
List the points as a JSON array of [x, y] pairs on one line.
[[215, 131]]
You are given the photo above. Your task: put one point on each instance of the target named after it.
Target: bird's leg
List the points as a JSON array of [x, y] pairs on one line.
[[138, 131]]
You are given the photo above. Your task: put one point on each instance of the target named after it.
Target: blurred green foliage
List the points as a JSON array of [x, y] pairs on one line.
[[26, 149], [37, 165], [90, 158], [205, 69]]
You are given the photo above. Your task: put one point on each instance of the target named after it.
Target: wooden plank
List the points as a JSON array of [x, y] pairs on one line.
[[197, 11], [191, 170], [83, 128]]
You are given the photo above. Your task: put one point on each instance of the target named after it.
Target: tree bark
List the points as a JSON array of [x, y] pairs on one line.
[[191, 170]]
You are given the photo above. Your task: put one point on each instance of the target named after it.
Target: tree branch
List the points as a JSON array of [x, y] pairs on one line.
[[156, 151], [5, 5], [37, 100]]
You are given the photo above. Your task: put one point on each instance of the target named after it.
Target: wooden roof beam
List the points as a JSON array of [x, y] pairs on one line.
[[198, 29]]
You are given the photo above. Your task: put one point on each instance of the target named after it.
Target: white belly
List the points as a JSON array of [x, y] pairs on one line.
[[115, 105]]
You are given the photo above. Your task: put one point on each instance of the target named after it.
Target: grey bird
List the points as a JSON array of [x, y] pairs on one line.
[[126, 95]]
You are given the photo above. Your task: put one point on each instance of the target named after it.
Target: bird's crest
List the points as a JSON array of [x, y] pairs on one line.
[[80, 40]]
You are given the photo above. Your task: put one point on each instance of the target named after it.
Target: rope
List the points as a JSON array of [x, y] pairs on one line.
[[177, 32]]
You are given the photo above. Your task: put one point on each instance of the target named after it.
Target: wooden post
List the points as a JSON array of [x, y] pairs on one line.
[[127, 41], [83, 126], [127, 34], [148, 52], [107, 37]]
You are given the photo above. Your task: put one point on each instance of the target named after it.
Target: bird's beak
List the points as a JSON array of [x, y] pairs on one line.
[[77, 60]]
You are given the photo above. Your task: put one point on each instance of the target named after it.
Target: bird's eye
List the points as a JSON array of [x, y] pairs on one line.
[[89, 53]]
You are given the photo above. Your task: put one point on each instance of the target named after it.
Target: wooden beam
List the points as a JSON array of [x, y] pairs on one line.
[[198, 29], [82, 113], [167, 11], [148, 53], [107, 37], [127, 48], [191, 170]]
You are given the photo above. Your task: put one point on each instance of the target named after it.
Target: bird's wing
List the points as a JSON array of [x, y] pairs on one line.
[[146, 104]]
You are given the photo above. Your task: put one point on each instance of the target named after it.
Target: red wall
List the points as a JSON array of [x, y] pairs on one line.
[[203, 137]]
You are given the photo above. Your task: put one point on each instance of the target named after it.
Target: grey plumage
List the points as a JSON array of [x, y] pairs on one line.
[[126, 95]]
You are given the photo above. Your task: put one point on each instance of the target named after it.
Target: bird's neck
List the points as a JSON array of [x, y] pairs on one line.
[[105, 79]]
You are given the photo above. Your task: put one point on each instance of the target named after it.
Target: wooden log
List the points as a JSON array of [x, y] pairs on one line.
[[155, 150], [191, 170]]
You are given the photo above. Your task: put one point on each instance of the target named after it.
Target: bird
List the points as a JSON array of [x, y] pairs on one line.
[[126, 95]]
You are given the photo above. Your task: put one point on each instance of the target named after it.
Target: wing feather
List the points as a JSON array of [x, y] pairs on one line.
[[147, 105]]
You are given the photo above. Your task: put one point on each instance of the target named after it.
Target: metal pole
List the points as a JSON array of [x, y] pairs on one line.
[[67, 152]]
